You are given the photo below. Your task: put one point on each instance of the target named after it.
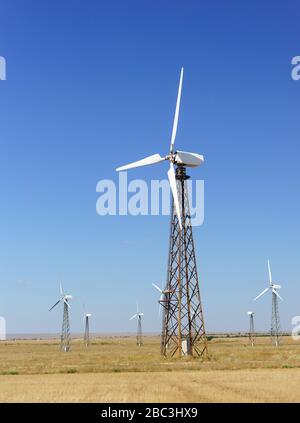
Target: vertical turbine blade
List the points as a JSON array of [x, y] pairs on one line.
[[175, 123], [270, 274], [173, 185], [61, 289]]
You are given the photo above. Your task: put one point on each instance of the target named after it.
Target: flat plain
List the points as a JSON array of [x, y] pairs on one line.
[[114, 369]]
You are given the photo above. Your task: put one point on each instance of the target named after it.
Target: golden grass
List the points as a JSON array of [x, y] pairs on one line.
[[116, 370]]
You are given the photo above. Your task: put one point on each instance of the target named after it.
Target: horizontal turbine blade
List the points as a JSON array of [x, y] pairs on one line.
[[276, 293], [156, 158], [262, 293]]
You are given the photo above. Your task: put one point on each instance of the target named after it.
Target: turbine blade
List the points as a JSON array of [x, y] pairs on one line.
[[61, 289], [270, 274], [157, 287], [55, 304], [155, 158], [133, 317], [276, 293], [173, 185], [67, 302], [262, 293], [175, 123]]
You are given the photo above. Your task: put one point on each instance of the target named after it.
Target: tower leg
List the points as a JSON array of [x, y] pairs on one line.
[[183, 331]]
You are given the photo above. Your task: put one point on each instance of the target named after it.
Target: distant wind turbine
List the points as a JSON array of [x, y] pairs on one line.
[[275, 321], [65, 332]]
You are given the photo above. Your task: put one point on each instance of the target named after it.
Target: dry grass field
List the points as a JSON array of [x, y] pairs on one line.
[[116, 370]]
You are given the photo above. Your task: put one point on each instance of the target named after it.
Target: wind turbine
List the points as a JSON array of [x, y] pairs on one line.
[[65, 332], [251, 329], [275, 321], [163, 300], [139, 336], [183, 318], [87, 317]]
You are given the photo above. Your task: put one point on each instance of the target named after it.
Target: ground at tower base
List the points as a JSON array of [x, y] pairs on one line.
[[115, 369]]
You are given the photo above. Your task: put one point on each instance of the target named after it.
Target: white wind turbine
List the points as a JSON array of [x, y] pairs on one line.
[[65, 333], [183, 321], [175, 157], [275, 321], [163, 295], [138, 315]]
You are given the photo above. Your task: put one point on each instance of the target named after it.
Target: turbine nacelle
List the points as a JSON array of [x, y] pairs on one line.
[[184, 158], [68, 297], [276, 286], [250, 313]]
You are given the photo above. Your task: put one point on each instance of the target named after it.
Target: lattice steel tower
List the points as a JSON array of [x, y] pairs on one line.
[[139, 336], [65, 332], [251, 329], [183, 331], [275, 322], [87, 329]]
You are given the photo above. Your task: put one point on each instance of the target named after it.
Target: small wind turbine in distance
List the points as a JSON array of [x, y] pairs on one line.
[[275, 321], [65, 332], [163, 300], [251, 329], [139, 335], [87, 317]]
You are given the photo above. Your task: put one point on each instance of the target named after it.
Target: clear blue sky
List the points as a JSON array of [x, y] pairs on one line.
[[91, 86]]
